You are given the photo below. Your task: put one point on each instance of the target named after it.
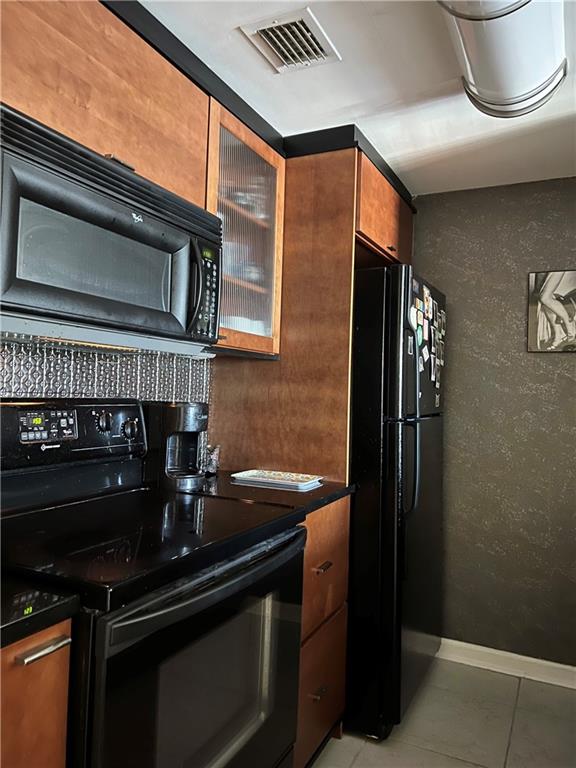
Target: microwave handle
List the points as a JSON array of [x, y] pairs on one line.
[[199, 262]]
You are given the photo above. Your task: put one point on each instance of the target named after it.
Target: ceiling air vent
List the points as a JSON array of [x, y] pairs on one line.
[[292, 41]]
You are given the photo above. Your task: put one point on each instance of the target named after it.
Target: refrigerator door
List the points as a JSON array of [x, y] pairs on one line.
[[420, 551], [424, 311]]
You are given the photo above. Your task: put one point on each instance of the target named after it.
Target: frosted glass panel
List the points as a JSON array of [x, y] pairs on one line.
[[247, 206]]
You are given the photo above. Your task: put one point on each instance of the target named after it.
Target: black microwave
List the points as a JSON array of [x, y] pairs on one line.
[[88, 243]]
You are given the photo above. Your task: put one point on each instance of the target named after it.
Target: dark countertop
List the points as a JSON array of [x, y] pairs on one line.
[[27, 609], [113, 548], [222, 485]]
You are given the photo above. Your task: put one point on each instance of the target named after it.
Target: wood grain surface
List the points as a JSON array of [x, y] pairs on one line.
[[322, 686], [35, 703], [78, 69], [384, 220], [325, 591], [292, 414]]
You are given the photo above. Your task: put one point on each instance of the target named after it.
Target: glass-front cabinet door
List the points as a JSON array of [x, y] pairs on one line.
[[246, 189]]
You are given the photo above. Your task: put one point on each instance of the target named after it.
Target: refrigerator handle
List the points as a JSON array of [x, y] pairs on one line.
[[414, 333], [416, 473]]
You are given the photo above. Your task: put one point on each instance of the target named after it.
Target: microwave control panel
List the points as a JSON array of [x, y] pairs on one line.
[[48, 426], [205, 326]]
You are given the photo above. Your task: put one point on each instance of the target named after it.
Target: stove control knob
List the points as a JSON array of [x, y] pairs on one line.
[[104, 422], [130, 429]]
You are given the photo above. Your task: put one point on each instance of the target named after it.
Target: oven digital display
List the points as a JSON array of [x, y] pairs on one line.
[[47, 426]]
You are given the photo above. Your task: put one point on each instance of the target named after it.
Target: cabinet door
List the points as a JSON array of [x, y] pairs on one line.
[[383, 219], [322, 686], [78, 69], [325, 564], [246, 189], [35, 699]]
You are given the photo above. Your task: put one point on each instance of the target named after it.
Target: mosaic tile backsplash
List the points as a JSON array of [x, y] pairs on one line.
[[41, 369]]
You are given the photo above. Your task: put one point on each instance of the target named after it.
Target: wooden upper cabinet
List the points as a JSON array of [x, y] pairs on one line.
[[78, 69], [246, 189], [383, 218], [35, 699]]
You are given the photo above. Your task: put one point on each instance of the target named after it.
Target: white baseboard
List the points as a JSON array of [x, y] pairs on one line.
[[508, 663]]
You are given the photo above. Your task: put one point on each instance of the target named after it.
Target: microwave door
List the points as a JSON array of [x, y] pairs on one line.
[[70, 252]]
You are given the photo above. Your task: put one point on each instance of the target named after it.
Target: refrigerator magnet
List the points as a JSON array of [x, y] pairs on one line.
[[420, 364], [441, 352], [435, 313], [426, 328], [425, 353], [432, 367], [437, 401], [427, 301], [420, 318], [413, 317], [433, 340], [419, 334], [415, 286], [443, 321]]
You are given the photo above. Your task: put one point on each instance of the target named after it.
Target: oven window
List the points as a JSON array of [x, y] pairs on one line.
[[61, 251], [207, 692]]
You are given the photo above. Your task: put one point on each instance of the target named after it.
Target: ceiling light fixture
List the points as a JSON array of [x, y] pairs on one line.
[[512, 54]]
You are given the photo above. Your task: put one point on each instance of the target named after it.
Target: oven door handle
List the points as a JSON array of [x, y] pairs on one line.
[[124, 632]]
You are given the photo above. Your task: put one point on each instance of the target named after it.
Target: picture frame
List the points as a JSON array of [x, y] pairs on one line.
[[552, 311]]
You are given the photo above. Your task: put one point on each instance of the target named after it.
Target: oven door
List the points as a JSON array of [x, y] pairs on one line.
[[71, 252], [204, 676]]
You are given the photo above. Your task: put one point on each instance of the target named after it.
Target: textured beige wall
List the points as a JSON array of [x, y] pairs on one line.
[[510, 439]]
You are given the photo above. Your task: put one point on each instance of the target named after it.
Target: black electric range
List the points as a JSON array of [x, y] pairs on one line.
[[186, 647], [115, 548]]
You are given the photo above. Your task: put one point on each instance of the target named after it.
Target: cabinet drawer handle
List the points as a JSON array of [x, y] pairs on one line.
[[320, 693], [42, 650], [391, 248], [324, 567]]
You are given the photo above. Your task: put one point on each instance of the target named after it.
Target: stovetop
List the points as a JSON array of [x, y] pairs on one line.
[[114, 548]]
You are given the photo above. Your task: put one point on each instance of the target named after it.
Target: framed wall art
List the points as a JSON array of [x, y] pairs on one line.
[[552, 311]]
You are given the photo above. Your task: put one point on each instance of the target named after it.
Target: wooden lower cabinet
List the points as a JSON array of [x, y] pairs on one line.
[[322, 686], [325, 564], [34, 699]]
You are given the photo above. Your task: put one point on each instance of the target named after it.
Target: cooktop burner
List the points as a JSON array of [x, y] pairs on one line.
[[114, 548]]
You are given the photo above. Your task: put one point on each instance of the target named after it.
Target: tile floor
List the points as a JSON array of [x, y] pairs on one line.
[[464, 717]]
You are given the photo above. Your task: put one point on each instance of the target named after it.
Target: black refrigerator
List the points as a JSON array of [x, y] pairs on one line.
[[396, 541]]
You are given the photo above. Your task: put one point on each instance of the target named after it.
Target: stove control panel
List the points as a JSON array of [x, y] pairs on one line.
[[48, 426], [42, 432]]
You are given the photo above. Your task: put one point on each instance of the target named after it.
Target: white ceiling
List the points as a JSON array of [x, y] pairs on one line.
[[398, 81]]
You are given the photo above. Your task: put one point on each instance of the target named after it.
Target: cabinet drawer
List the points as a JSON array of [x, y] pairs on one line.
[[322, 686], [383, 219], [325, 564], [35, 699]]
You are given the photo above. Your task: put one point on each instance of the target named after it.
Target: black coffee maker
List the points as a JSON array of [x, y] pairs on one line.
[[174, 431]]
